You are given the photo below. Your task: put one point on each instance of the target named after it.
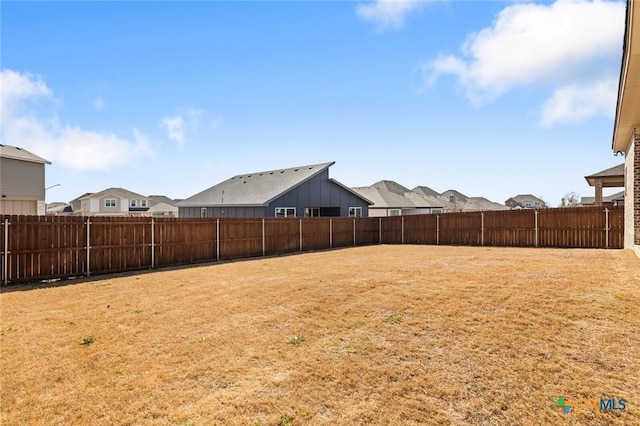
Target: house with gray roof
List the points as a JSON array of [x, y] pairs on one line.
[[525, 201], [122, 202], [111, 202], [388, 199], [392, 199], [612, 200], [22, 181], [304, 191]]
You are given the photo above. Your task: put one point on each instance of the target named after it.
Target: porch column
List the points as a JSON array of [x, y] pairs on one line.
[[598, 200]]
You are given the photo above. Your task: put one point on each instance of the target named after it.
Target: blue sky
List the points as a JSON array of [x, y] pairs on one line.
[[492, 98]]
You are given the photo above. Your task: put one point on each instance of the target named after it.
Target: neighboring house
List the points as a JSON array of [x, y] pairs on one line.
[[58, 208], [626, 139], [305, 191], [612, 200], [111, 202], [392, 199], [163, 209], [525, 201], [613, 177], [478, 204], [389, 199], [22, 189]]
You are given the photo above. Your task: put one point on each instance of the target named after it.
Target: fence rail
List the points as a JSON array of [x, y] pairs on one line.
[[37, 248]]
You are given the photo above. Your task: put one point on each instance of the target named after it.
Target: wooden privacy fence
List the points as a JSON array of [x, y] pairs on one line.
[[50, 247]]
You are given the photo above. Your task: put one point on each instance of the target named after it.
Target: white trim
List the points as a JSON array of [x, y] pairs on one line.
[[356, 210], [288, 211]]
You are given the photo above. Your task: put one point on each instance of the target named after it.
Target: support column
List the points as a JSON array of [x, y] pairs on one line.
[[598, 200]]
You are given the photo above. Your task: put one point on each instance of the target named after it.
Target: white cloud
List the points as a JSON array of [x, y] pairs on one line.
[[181, 126], [175, 127], [551, 45], [388, 14], [575, 103], [29, 120]]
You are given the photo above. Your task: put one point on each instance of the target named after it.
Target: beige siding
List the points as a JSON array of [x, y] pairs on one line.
[[21, 180], [18, 207]]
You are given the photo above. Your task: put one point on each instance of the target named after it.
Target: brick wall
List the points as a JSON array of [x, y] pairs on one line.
[[636, 188]]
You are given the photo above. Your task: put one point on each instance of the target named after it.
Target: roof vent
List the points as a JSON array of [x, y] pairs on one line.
[[282, 171], [295, 170]]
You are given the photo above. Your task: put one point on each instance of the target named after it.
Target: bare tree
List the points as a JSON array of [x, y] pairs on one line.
[[570, 200]]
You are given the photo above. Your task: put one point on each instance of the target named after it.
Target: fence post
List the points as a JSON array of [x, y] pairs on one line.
[[401, 229], [153, 245], [264, 247], [354, 231], [606, 228], [218, 240], [300, 234], [88, 245], [379, 230], [5, 262], [481, 228], [437, 229], [536, 235], [330, 233]]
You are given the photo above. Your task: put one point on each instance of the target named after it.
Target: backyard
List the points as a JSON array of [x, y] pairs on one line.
[[371, 335]]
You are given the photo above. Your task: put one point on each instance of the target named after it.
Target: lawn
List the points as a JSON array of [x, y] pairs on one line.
[[371, 335]]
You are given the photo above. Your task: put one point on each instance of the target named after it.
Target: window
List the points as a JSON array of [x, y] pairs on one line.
[[285, 211], [436, 210], [203, 212], [355, 211], [132, 203], [311, 212], [110, 202], [395, 212], [143, 203]]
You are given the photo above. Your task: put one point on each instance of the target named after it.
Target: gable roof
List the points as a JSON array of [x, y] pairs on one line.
[[254, 189], [16, 153], [117, 192]]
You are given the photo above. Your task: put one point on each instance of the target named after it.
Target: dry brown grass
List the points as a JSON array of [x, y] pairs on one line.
[[392, 335]]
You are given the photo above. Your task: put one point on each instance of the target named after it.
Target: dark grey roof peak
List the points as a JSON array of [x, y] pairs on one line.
[[255, 188]]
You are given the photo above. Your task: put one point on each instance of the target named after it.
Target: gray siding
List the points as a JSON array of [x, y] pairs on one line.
[[21, 180], [318, 191], [222, 212]]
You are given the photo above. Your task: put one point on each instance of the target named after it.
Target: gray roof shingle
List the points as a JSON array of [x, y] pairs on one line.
[[16, 153], [254, 189]]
